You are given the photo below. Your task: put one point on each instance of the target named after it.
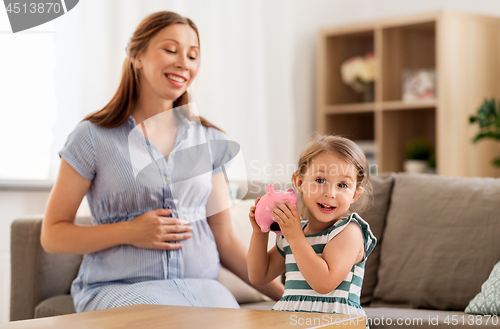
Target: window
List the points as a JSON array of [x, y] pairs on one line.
[[28, 108]]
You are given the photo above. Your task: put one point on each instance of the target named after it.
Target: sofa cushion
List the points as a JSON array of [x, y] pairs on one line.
[[375, 215], [255, 189], [57, 305], [242, 292], [488, 300], [440, 242], [243, 229]]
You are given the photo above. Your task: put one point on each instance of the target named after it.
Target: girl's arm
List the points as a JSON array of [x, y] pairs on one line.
[[324, 273], [263, 266], [60, 233], [232, 252]]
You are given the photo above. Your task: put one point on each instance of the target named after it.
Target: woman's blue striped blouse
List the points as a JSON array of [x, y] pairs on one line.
[[126, 275]]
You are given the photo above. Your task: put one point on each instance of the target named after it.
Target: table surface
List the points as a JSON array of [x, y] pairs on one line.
[[186, 317]]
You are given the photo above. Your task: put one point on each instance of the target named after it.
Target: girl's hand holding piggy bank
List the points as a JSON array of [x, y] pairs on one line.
[[263, 212]]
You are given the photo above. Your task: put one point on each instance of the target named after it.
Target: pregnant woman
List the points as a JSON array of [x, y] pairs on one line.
[[157, 241]]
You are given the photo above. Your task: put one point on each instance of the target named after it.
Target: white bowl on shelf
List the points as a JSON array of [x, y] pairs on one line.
[[416, 166]]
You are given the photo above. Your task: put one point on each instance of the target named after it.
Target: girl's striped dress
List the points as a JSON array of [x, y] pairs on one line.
[[344, 299]]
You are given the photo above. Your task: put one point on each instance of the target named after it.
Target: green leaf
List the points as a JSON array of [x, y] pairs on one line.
[[488, 118], [496, 161], [418, 149], [488, 134]]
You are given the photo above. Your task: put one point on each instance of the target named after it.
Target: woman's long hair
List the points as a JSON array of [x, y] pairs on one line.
[[117, 111]]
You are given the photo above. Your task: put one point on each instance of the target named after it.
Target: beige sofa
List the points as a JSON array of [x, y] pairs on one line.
[[437, 243]]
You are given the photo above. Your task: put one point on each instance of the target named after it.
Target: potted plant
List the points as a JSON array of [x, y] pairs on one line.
[[418, 155], [488, 118]]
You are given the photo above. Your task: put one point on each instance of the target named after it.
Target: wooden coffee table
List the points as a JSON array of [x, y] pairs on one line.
[[186, 317]]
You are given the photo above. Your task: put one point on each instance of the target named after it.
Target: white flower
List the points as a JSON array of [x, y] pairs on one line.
[[358, 71]]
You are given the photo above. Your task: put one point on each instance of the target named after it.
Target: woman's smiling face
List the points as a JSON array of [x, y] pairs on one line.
[[328, 186], [170, 62]]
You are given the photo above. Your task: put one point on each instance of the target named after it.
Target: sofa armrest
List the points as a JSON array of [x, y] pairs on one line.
[[35, 274]]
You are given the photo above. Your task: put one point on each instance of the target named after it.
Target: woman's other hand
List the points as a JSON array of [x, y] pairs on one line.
[[154, 230]]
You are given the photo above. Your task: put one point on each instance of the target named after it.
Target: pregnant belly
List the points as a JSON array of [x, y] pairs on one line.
[[199, 253], [198, 258]]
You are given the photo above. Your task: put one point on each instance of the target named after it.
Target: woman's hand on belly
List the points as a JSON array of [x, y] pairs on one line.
[[153, 230]]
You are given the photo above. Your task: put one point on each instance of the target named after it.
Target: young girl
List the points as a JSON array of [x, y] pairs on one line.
[[324, 257]]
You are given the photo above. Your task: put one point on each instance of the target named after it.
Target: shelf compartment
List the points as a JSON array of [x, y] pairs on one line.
[[350, 108], [339, 48], [355, 126], [407, 47], [398, 128], [400, 105]]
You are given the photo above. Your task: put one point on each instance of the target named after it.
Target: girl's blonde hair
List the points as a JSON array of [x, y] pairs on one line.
[[348, 151]]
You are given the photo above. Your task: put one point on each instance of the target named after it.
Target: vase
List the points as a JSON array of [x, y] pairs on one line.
[[369, 92], [416, 166]]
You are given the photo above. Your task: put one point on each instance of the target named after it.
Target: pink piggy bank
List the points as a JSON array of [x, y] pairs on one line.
[[263, 212]]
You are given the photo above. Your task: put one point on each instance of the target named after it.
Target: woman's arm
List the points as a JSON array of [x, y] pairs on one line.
[[232, 252], [60, 234], [323, 273]]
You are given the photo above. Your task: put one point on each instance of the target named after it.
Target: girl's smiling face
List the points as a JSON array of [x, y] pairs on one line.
[[170, 62], [328, 187]]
